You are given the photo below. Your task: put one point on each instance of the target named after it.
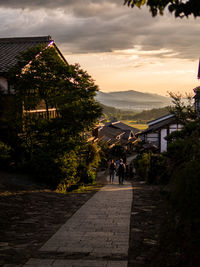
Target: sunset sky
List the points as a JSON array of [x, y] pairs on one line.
[[121, 48]]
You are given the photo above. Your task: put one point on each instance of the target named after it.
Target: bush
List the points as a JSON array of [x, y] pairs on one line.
[[52, 170], [185, 191], [5, 155], [182, 235], [142, 163], [68, 165], [158, 171], [104, 154]]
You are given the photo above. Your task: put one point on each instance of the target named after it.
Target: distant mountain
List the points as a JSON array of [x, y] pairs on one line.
[[132, 100]]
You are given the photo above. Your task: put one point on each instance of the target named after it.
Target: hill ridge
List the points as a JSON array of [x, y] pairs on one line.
[[132, 100]]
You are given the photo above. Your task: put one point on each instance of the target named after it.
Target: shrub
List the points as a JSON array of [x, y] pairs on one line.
[[104, 153], [53, 169], [5, 155], [142, 163], [158, 171], [185, 191]]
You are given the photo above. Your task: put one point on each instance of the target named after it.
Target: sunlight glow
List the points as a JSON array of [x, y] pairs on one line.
[[123, 70]]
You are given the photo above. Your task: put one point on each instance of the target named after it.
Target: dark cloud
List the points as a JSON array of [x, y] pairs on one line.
[[75, 5], [99, 26]]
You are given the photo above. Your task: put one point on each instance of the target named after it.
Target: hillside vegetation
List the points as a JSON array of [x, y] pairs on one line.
[[152, 114], [143, 116]]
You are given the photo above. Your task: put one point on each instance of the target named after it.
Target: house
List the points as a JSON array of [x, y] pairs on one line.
[[10, 49], [158, 129], [117, 132], [120, 125]]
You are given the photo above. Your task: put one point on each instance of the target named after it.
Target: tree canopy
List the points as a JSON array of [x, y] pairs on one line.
[[53, 148], [41, 75], [180, 8]]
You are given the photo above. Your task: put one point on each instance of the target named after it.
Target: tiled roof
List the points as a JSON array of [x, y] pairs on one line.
[[127, 134], [160, 119], [159, 125], [10, 48], [110, 133], [123, 126]]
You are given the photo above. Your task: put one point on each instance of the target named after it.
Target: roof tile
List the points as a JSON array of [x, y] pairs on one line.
[[10, 48]]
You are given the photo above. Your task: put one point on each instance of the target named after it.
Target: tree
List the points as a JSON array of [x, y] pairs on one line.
[[41, 76], [183, 107], [51, 144], [180, 8], [179, 167]]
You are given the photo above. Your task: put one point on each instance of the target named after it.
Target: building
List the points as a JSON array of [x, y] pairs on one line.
[[158, 129], [10, 49], [117, 132]]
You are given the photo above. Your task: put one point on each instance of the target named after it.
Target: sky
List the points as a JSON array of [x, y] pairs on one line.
[[121, 48]]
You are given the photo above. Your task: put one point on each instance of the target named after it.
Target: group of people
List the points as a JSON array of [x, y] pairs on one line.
[[120, 168]]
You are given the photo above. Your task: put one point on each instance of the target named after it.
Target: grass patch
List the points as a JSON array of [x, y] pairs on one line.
[[87, 188], [81, 189], [133, 123]]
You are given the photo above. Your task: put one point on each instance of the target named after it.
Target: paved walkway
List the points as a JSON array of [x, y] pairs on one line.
[[97, 235]]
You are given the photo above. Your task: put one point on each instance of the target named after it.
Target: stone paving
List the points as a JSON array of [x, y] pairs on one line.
[[97, 235]]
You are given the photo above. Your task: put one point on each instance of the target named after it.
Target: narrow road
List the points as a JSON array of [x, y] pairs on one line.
[[97, 235]]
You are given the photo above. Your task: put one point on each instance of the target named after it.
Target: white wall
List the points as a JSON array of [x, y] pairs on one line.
[[175, 127], [163, 142]]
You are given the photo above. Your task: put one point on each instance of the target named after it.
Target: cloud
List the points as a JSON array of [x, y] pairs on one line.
[[91, 26]]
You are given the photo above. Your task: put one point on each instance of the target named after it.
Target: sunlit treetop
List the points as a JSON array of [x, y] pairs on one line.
[[180, 8]]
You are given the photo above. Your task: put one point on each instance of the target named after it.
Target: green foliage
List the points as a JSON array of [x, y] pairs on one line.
[[90, 159], [183, 107], [186, 188], [152, 168], [145, 115], [5, 155], [184, 215], [180, 166], [142, 164], [111, 113], [104, 153], [50, 148], [158, 171], [66, 87], [68, 165], [180, 8]]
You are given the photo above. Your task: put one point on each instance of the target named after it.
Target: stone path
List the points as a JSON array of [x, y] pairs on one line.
[[97, 235]]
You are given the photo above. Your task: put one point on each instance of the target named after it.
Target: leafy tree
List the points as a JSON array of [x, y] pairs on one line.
[[151, 114], [180, 166], [42, 77], [183, 107], [180, 8]]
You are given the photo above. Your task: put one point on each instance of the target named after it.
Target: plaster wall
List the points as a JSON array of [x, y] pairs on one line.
[[163, 142]]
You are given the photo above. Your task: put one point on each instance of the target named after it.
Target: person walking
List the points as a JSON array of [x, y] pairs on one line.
[[121, 171], [117, 163], [112, 169]]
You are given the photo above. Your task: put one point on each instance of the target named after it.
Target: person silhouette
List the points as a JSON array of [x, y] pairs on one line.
[[112, 169], [121, 171]]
